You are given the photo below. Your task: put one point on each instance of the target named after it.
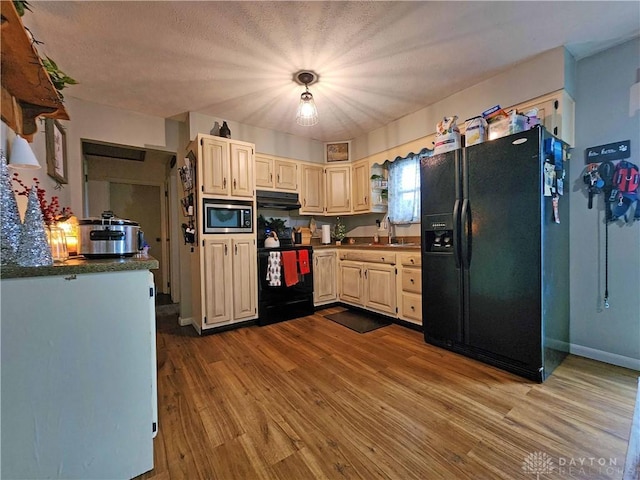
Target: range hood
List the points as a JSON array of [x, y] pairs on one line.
[[277, 200]]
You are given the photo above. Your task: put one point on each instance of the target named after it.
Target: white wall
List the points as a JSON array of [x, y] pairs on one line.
[[538, 76], [46, 182], [266, 141], [602, 116], [91, 121]]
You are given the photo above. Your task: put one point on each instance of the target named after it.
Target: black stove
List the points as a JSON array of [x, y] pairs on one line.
[[278, 301]]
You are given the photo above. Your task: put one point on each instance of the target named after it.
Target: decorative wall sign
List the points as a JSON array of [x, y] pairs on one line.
[[610, 151], [56, 144], [338, 151]]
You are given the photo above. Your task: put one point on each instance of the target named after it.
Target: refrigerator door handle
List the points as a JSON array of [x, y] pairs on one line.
[[456, 229], [464, 235]]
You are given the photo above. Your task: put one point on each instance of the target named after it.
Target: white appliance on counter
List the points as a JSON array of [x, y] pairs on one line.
[[79, 384]]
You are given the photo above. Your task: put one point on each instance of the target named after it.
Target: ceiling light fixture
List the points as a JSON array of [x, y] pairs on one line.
[[307, 114]]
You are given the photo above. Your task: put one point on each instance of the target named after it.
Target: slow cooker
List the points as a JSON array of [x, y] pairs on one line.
[[109, 237]]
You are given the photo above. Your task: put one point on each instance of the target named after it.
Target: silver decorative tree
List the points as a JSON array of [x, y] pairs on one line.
[[9, 217], [34, 251]]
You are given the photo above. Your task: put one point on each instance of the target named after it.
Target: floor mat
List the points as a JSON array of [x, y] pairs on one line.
[[360, 322]]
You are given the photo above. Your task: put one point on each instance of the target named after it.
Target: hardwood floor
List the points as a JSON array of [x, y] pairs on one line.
[[309, 398]]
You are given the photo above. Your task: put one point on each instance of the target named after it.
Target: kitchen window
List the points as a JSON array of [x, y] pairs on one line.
[[404, 190]]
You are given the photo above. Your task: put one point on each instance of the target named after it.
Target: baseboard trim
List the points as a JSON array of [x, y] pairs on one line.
[[606, 357], [183, 322]]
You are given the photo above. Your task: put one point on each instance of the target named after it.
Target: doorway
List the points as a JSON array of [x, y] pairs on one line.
[[141, 203], [132, 182]]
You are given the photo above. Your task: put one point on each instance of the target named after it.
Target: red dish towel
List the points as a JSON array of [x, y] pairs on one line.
[[290, 268], [303, 262]]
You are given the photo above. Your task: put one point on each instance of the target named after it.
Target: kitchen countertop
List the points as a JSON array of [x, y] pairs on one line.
[[80, 265], [409, 247]]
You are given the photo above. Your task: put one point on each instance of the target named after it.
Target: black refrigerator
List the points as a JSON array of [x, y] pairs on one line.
[[495, 252]]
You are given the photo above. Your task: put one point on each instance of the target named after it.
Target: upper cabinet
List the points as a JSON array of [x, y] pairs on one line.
[[312, 189], [273, 173], [338, 190], [27, 90], [226, 166], [369, 187]]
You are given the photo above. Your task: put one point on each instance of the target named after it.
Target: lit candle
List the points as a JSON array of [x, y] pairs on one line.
[[70, 227]]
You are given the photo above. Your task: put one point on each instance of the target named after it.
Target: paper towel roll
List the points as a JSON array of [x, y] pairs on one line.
[[326, 234]]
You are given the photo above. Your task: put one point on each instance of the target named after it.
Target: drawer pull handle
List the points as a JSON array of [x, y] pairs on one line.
[[411, 280], [412, 307], [412, 260]]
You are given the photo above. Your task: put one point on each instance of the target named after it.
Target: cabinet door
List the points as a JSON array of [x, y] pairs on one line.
[[324, 277], [351, 283], [217, 282], [244, 278], [411, 308], [361, 187], [338, 190], [215, 166], [380, 281], [312, 191], [286, 174], [241, 170], [264, 171]]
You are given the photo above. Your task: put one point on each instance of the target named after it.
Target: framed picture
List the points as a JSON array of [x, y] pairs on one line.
[[56, 144], [337, 151]]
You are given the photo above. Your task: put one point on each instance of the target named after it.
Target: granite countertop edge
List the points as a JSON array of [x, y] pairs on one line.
[[372, 248], [81, 265]]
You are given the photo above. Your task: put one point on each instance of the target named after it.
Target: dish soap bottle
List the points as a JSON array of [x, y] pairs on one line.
[[224, 130]]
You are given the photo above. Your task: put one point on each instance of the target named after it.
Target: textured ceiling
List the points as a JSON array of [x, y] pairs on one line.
[[376, 61]]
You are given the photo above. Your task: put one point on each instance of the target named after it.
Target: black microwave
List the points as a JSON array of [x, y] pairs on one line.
[[227, 216]]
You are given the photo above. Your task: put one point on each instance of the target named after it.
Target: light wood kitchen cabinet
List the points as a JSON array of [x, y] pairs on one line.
[[410, 288], [227, 167], [380, 287], [368, 194], [338, 190], [312, 189], [368, 279], [244, 278], [351, 283], [360, 182], [263, 171], [227, 290], [216, 295], [325, 277], [275, 173]]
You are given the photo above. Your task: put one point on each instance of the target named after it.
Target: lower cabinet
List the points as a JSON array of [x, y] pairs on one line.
[[383, 281], [410, 288], [228, 282], [367, 284], [324, 277], [351, 283]]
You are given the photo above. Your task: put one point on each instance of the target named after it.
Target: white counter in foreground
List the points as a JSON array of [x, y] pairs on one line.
[[79, 393]]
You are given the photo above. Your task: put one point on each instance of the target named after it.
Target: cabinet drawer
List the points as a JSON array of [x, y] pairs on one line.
[[411, 259], [370, 257], [412, 307], [412, 280]]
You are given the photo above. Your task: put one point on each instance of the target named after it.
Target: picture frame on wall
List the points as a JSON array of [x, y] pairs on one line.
[[337, 151], [56, 146]]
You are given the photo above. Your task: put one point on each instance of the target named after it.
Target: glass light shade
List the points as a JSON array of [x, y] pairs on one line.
[[21, 154], [307, 112]]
